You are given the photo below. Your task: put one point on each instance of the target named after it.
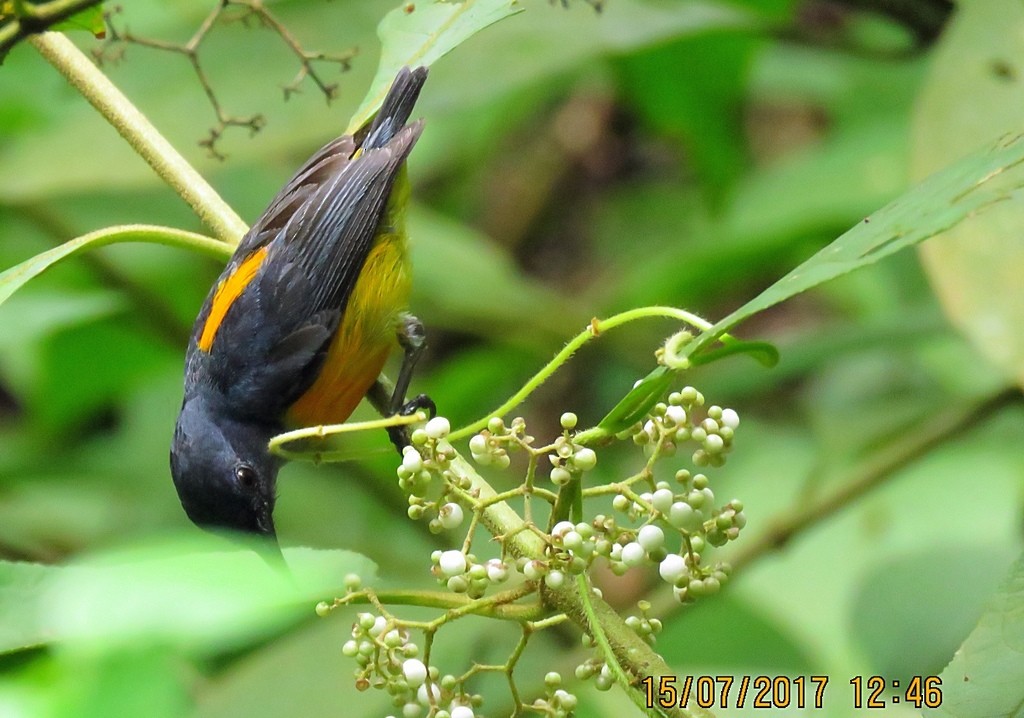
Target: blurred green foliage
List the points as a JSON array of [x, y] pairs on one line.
[[574, 164]]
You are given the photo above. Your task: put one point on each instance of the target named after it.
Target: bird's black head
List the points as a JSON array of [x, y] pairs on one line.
[[224, 474]]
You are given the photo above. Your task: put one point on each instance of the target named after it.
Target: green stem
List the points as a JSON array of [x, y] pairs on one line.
[[16, 276], [322, 431], [595, 329], [497, 606], [144, 138]]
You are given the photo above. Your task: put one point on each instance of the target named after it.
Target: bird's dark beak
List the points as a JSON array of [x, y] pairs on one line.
[[267, 546], [265, 522]]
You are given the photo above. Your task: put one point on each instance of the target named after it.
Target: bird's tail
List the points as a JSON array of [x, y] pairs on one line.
[[397, 107]]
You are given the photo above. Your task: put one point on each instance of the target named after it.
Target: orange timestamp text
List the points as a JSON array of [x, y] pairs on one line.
[[735, 691], [727, 691]]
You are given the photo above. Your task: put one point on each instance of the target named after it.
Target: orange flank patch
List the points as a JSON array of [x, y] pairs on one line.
[[227, 292], [363, 341]]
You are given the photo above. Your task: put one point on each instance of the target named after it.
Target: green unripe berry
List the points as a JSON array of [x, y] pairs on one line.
[[554, 579], [695, 587], [534, 570], [560, 476], [573, 541], [714, 444], [457, 584], [568, 420]]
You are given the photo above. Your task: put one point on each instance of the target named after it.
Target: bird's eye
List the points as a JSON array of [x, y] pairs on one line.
[[246, 476]]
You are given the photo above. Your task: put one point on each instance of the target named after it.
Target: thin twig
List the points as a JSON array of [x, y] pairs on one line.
[[140, 133], [113, 51]]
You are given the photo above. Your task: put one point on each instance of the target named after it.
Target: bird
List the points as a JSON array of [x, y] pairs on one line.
[[297, 328]]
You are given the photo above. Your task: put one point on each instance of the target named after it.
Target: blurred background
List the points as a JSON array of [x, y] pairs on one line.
[[574, 164]]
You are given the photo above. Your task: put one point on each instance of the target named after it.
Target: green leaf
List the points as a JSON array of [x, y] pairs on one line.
[[932, 207], [21, 584], [90, 20], [765, 353], [16, 277], [419, 34], [638, 401], [189, 593], [903, 638], [986, 676]]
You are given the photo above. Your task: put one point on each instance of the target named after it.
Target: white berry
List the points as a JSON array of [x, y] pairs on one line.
[[438, 427], [415, 672], [452, 563]]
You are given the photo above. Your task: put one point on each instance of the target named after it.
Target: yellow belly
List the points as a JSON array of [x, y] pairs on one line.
[[365, 338]]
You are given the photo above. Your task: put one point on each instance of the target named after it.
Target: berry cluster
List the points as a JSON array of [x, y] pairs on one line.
[[387, 660], [657, 523], [428, 455], [676, 422]]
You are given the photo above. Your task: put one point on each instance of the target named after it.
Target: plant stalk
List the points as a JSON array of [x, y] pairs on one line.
[[140, 133]]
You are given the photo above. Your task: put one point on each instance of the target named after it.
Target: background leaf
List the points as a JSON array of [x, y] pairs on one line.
[[932, 207], [416, 34], [976, 268], [986, 675]]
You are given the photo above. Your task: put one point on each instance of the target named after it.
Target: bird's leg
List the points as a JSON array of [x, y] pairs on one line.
[[412, 337]]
